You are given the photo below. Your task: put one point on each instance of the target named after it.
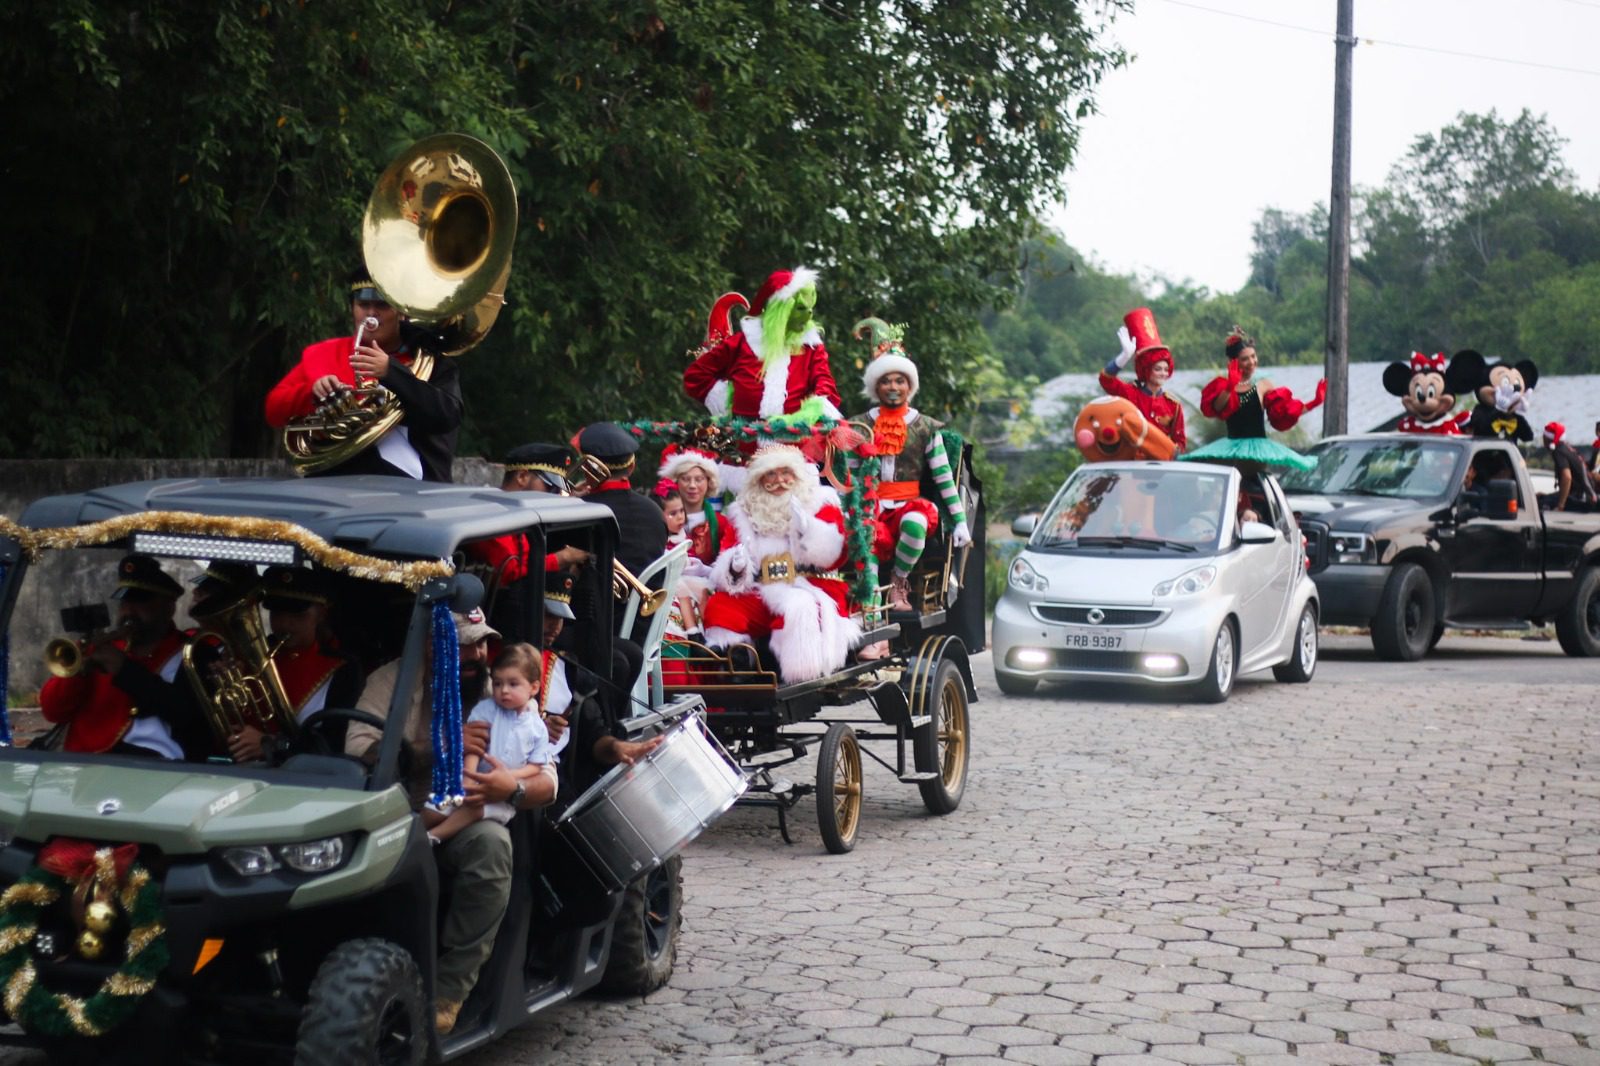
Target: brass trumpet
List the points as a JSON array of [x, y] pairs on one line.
[[64, 657], [624, 584]]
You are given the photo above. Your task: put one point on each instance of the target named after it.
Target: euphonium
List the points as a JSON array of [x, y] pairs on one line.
[[243, 687], [437, 236], [623, 583]]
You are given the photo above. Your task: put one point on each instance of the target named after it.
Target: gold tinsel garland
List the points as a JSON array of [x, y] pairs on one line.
[[366, 567]]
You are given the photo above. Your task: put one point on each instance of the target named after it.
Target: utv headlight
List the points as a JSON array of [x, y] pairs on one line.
[[313, 856], [1352, 548], [1025, 578], [250, 861], [1197, 580]]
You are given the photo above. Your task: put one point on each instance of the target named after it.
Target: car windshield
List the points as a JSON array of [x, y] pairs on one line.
[[1409, 469], [1157, 510]]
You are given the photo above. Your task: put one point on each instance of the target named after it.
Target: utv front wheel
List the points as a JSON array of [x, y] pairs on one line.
[[365, 1008], [644, 944]]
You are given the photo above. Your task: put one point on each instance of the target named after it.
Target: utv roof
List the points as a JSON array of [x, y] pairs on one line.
[[388, 516]]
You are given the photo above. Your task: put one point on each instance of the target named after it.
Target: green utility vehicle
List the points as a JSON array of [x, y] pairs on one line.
[[290, 910]]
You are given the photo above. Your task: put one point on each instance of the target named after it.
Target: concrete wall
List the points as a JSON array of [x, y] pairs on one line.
[[61, 579]]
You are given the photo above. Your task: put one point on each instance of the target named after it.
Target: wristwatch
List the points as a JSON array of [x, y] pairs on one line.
[[515, 799]]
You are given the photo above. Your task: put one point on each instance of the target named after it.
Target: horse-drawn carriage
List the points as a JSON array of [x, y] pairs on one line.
[[919, 692]]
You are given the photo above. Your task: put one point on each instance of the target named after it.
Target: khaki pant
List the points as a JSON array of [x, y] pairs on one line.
[[476, 864]]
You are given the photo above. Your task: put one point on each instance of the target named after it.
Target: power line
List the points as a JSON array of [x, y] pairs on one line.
[[1397, 44]]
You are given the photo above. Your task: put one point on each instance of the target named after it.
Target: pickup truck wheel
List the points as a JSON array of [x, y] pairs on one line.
[[1303, 659], [1405, 620], [1218, 682], [1578, 624]]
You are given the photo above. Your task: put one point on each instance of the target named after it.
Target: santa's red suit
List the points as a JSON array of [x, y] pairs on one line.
[[786, 384], [773, 585]]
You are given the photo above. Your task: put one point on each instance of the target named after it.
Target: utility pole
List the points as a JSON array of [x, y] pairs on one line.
[[1336, 348]]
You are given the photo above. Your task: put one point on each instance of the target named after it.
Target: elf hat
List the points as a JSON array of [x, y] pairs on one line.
[[781, 285], [676, 461], [1148, 349], [888, 357]]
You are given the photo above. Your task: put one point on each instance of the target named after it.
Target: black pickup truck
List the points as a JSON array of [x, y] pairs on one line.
[[1410, 534]]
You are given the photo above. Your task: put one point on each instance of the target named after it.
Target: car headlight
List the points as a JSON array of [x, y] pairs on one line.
[[309, 857], [1025, 578], [1352, 548], [1186, 584]]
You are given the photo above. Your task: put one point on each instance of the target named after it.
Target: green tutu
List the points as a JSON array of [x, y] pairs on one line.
[[1263, 450]]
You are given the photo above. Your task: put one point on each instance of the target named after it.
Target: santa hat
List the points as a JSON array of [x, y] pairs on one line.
[[781, 285], [676, 461], [1554, 431], [1148, 349], [889, 357], [781, 457]]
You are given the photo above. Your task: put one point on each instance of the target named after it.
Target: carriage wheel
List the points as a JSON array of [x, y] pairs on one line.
[[942, 746], [839, 788]]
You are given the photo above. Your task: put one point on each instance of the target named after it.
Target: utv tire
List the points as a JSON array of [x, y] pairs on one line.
[[1404, 624], [1014, 684], [1578, 624], [644, 943], [365, 1007]]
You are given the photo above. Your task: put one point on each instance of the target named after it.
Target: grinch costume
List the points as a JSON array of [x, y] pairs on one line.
[[774, 362], [908, 444]]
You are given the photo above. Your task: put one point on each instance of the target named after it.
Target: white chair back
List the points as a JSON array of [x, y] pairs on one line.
[[647, 687]]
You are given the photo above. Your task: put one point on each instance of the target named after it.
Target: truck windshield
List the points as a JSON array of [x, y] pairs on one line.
[[1408, 469], [1164, 511]]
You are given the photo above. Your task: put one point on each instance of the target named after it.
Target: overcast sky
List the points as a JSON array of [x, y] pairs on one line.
[[1153, 189]]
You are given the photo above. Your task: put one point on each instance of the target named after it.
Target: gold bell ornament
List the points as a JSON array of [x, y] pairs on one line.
[[90, 944], [98, 917]]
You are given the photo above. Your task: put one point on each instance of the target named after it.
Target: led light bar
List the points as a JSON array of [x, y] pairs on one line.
[[184, 546]]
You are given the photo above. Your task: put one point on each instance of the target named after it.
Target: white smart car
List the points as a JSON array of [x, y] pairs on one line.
[[1160, 573]]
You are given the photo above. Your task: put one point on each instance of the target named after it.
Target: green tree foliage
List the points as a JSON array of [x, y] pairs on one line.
[[1479, 238], [194, 175]]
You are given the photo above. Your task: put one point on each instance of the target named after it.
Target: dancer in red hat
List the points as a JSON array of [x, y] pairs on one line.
[[775, 362], [1152, 367]]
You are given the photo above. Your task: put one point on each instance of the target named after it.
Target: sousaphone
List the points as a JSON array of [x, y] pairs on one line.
[[437, 237]]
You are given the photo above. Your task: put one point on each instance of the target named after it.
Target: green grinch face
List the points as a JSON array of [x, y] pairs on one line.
[[804, 302]]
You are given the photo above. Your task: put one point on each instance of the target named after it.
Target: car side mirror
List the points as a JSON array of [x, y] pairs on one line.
[[1257, 533], [1024, 525], [466, 592]]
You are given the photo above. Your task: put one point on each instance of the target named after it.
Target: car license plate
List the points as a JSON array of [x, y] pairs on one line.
[[1092, 639]]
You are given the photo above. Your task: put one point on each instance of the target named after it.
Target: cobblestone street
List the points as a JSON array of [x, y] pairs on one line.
[[1347, 872]]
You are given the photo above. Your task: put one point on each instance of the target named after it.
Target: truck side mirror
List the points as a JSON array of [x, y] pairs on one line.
[[1024, 525], [1502, 499]]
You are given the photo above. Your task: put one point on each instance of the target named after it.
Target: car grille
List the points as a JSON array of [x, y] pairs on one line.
[[1073, 615], [1316, 535], [1109, 661]]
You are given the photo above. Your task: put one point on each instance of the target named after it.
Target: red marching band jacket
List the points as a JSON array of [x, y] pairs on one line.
[[98, 713]]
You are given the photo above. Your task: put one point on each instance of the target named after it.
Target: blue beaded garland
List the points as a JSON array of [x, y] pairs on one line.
[[5, 679], [446, 684]]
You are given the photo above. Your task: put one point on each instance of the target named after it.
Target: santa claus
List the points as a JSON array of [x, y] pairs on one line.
[[775, 582], [774, 362]]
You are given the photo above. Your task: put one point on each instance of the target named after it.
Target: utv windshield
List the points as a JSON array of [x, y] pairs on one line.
[[1407, 469], [1156, 510]]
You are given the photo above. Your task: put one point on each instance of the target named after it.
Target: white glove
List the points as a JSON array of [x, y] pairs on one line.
[[961, 536], [1523, 403], [719, 401], [1505, 394], [1126, 340]]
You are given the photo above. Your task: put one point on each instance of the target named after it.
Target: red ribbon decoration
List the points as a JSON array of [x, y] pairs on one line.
[[73, 860]]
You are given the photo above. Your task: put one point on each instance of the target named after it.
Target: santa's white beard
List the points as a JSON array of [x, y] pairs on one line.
[[770, 512]]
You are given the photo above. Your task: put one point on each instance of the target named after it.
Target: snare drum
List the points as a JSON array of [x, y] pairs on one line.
[[637, 817]]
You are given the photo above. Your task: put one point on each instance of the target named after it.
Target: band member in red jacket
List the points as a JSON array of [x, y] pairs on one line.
[[774, 362], [423, 443]]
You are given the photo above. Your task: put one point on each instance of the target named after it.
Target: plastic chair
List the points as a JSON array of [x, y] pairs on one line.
[[670, 566]]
